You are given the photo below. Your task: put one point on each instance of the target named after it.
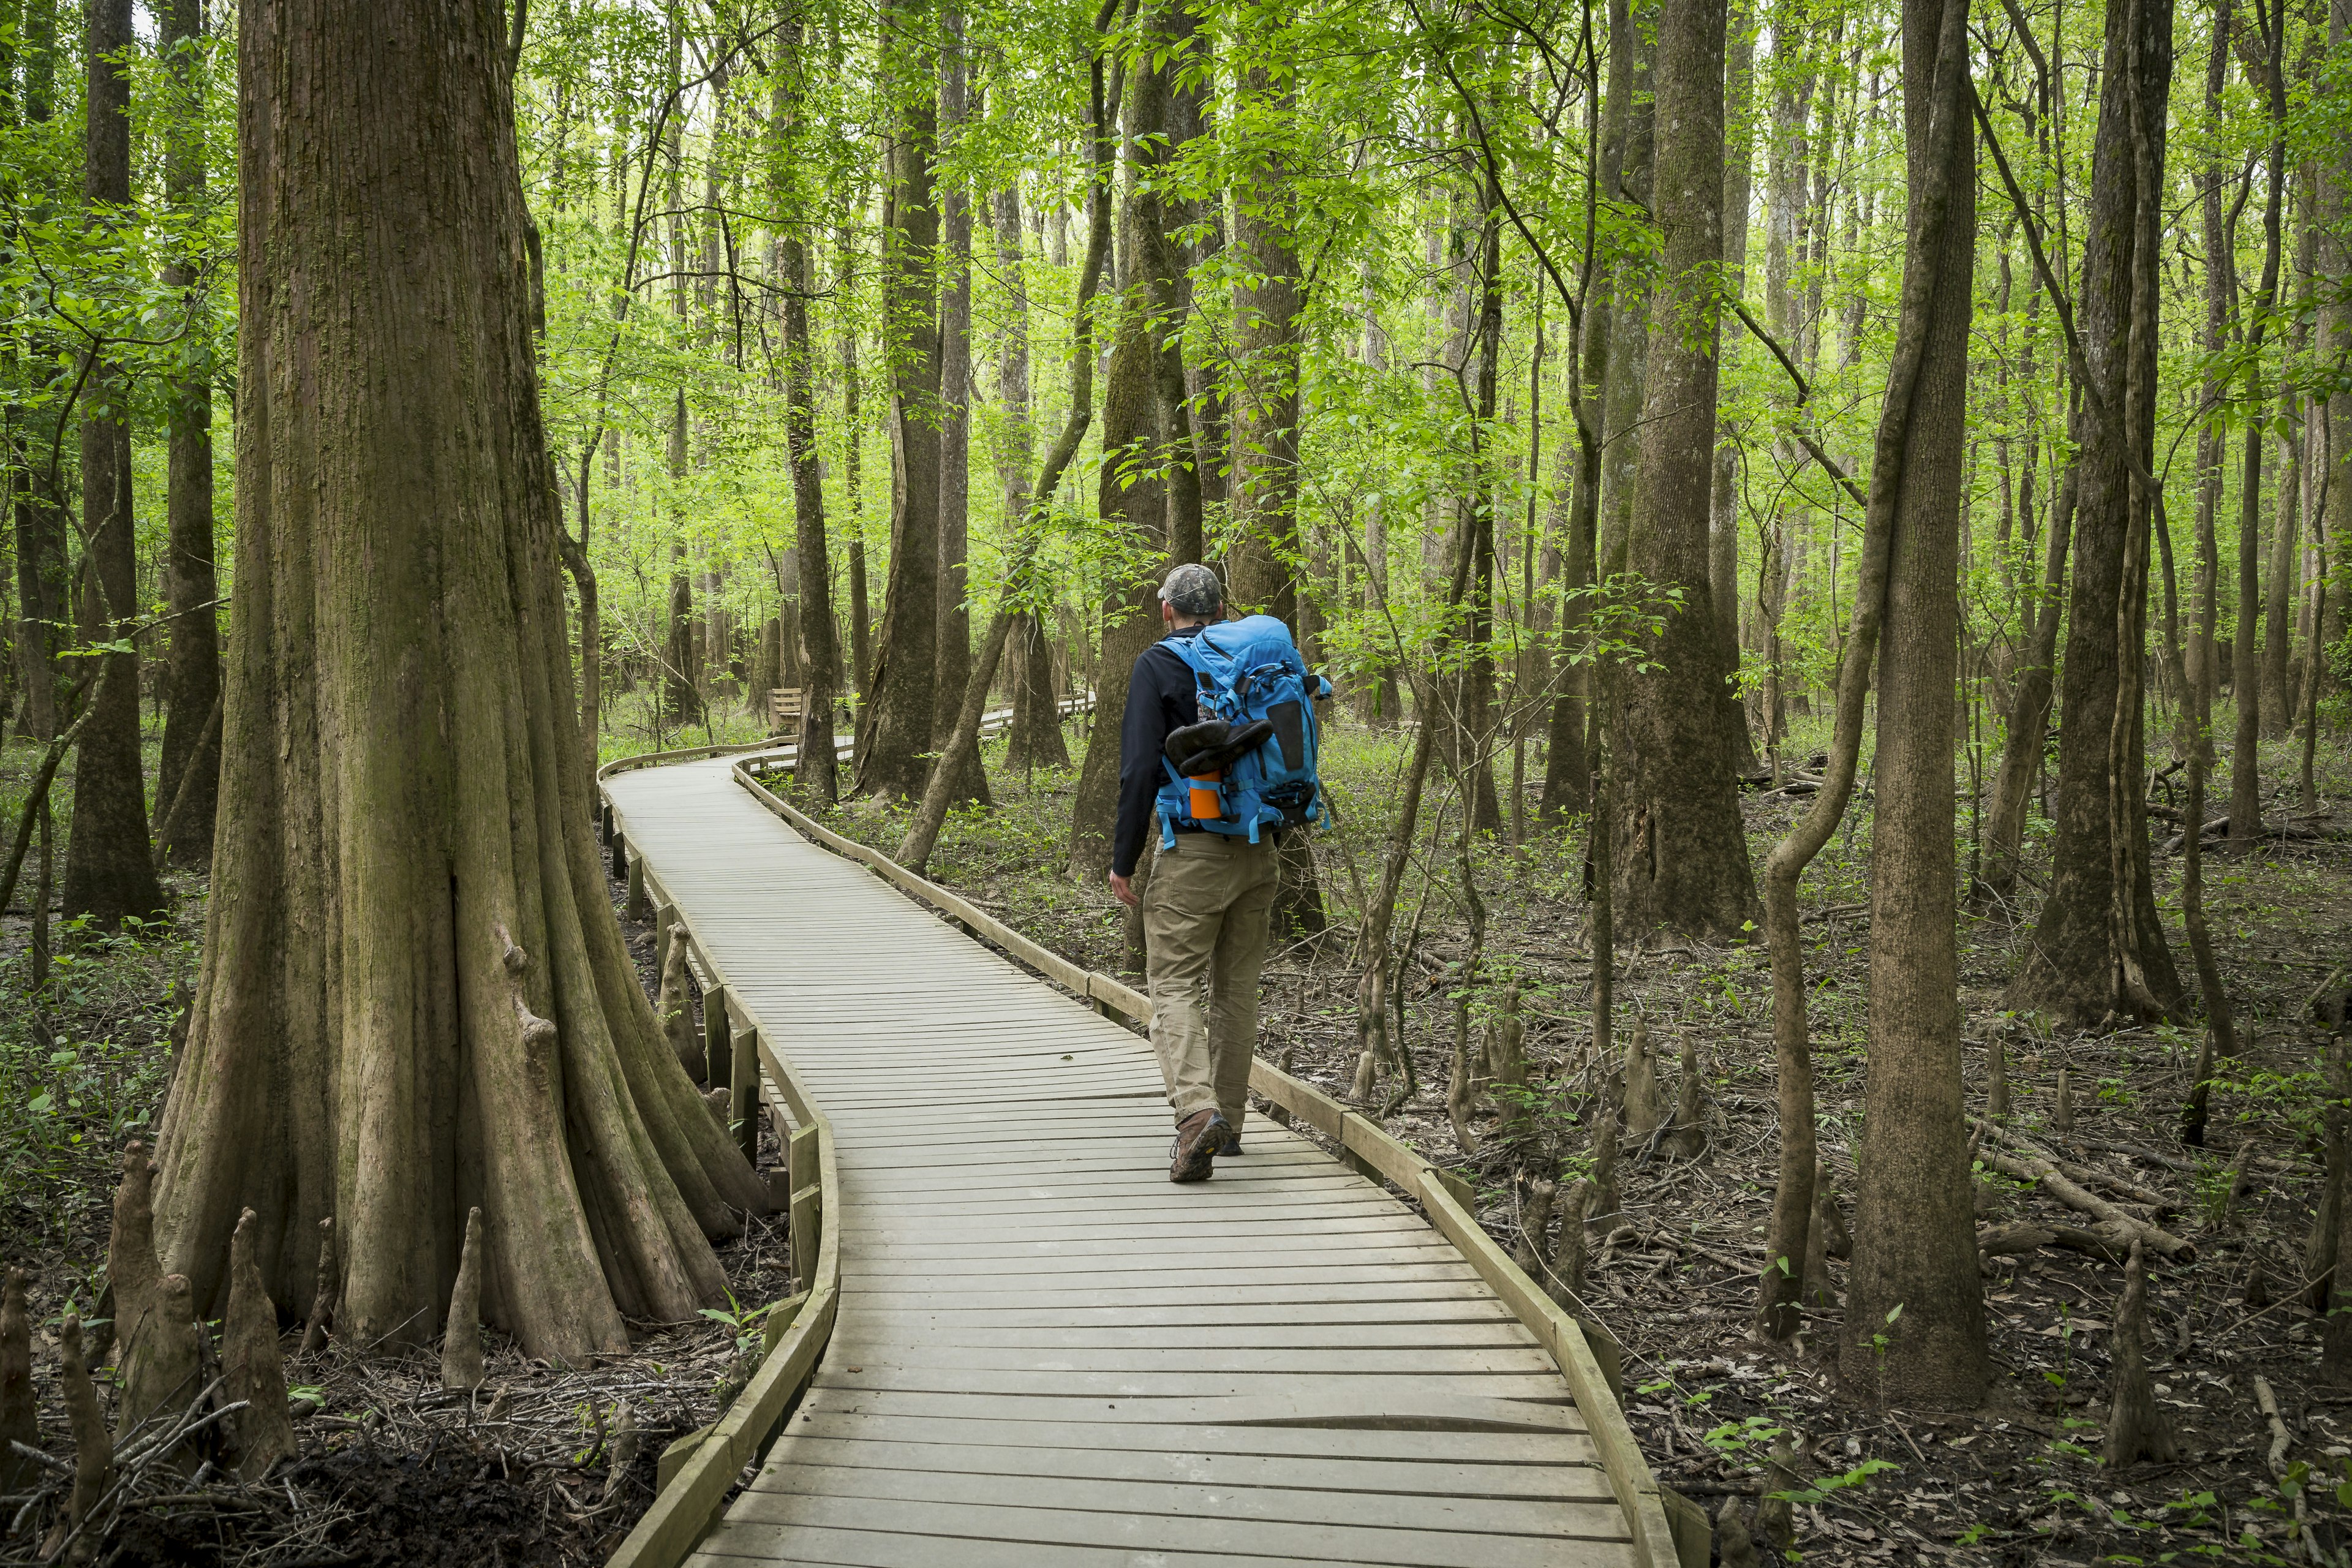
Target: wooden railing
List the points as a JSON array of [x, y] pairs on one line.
[[697, 1472], [1445, 1197]]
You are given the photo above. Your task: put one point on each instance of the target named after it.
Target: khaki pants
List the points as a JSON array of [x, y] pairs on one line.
[[1204, 925]]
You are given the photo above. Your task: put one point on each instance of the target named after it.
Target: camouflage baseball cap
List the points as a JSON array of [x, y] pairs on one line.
[[1192, 590]]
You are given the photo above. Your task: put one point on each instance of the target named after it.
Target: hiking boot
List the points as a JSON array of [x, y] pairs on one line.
[[1233, 1142], [1199, 1136]]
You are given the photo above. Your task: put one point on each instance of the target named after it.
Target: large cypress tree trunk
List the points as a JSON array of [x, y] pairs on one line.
[[414, 998], [900, 707], [1680, 854], [191, 741], [2075, 963], [1914, 1231], [110, 873]]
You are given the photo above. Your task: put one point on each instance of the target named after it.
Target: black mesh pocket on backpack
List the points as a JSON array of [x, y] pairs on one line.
[[1290, 732]]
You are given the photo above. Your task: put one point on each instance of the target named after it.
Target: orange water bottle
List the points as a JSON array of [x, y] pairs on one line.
[[1204, 795]]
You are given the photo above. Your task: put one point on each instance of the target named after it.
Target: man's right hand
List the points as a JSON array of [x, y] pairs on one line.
[[1121, 890]]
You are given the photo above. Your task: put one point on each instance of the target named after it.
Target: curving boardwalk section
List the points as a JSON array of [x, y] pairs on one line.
[[1046, 1355]]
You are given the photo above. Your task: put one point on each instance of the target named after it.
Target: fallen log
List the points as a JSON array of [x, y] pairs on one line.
[[2107, 1243]]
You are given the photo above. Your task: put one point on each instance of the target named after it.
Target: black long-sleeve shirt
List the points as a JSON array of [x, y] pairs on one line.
[[1159, 703]]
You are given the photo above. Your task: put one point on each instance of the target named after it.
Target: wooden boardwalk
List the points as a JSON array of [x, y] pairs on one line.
[[1045, 1353]]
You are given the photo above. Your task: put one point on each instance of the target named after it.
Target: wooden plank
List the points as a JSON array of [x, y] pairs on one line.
[[1316, 1543], [1287, 1309], [979, 1427], [1496, 1520], [1206, 1461], [910, 1336], [1362, 1397], [1399, 1409], [903, 1354]]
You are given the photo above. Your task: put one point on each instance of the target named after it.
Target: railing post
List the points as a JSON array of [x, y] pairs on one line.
[[807, 1214], [743, 1091], [718, 1051]]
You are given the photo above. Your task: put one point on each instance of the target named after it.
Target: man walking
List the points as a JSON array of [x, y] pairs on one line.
[[1205, 911]]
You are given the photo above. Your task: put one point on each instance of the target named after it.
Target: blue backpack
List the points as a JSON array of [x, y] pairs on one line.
[[1252, 685]]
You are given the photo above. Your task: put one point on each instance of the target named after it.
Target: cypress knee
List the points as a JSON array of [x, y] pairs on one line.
[[19, 1416], [250, 1361], [461, 1343]]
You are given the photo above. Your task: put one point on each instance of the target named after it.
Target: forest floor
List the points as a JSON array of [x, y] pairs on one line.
[[2017, 1482], [391, 1469], [84, 1064]]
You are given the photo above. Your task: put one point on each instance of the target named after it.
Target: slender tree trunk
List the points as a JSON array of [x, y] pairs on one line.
[[1467, 702], [1568, 757], [1035, 737], [2245, 758], [814, 769], [189, 586], [1630, 39], [967, 779], [1680, 852], [110, 872], [38, 512], [1915, 1277], [1160, 267], [900, 707], [1723, 529], [414, 999], [853, 442]]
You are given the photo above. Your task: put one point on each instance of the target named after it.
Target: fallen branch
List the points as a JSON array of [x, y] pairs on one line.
[[2105, 1244], [2121, 1184], [2055, 1182]]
